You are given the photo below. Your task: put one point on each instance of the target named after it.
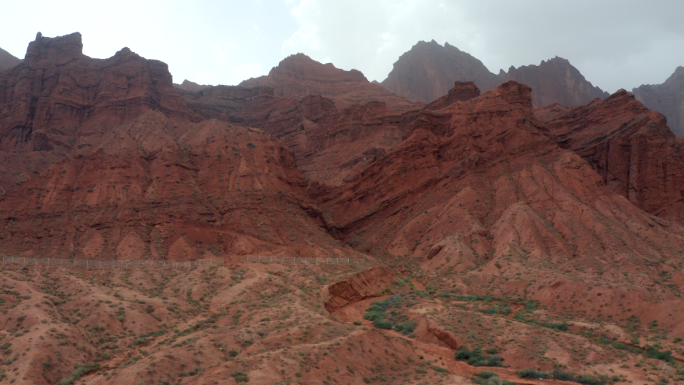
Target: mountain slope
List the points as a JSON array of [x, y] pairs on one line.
[[666, 98], [7, 61], [632, 149], [298, 76], [480, 190], [428, 71], [556, 81], [164, 189], [546, 238]]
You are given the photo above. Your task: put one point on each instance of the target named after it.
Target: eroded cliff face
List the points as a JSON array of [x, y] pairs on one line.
[[483, 180], [631, 148], [298, 76], [332, 145], [160, 188], [428, 71], [666, 98], [59, 101]]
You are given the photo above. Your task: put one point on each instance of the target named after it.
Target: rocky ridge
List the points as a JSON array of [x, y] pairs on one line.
[[631, 148], [666, 98], [427, 71], [7, 61], [298, 76], [189, 86], [59, 102], [556, 81]]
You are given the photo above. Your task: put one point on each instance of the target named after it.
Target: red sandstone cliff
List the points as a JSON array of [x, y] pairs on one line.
[[57, 93], [331, 145], [666, 98], [630, 147], [481, 181], [160, 188], [118, 167]]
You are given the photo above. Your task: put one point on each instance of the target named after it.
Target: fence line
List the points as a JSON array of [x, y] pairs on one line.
[[157, 263], [278, 259], [112, 264]]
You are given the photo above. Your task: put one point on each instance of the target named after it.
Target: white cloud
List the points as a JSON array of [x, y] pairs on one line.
[[223, 52], [367, 35], [245, 71]]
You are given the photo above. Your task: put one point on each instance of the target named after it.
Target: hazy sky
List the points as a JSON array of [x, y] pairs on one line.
[[614, 43]]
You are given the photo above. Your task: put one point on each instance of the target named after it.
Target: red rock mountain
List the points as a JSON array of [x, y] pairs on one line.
[[556, 81], [552, 236], [7, 61], [631, 148], [122, 170], [428, 70], [298, 76], [457, 174], [331, 145], [59, 101], [666, 98]]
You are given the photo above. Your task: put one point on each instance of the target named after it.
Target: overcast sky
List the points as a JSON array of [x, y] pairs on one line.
[[614, 43]]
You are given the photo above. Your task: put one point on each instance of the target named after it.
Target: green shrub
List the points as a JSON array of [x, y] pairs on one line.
[[405, 327], [476, 358], [378, 314], [558, 326], [588, 380], [487, 375], [373, 315], [533, 373], [382, 323], [79, 372], [491, 381], [240, 376], [563, 375], [666, 356]]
